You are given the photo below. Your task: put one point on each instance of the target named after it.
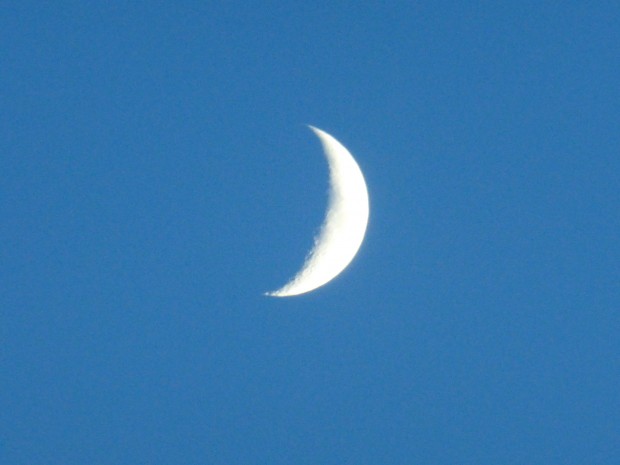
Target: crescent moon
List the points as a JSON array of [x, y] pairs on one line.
[[344, 227]]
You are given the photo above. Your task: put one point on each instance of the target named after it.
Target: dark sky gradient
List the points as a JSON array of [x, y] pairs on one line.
[[156, 177]]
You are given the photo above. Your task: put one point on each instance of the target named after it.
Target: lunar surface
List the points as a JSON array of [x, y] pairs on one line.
[[343, 230]]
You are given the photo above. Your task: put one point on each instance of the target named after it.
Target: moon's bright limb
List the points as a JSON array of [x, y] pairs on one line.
[[343, 230]]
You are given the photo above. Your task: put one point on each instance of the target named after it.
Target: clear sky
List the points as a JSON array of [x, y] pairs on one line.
[[157, 176]]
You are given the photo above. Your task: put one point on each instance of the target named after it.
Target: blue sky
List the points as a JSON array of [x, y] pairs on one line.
[[157, 177]]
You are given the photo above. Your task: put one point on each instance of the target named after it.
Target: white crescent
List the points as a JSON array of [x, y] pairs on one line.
[[343, 230]]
